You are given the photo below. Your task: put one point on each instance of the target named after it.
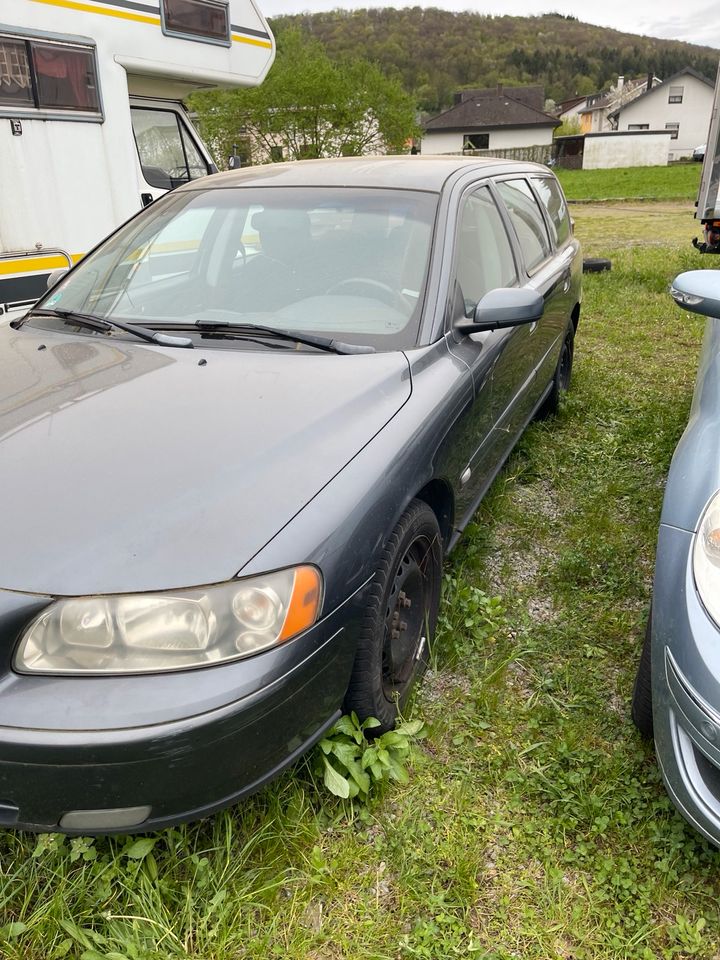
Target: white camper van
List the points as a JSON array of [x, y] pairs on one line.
[[707, 208], [91, 123]]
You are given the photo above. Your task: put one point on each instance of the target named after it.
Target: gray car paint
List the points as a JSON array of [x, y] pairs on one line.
[[388, 428], [219, 456]]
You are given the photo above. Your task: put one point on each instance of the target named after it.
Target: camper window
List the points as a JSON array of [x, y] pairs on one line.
[[168, 156], [207, 20], [48, 76]]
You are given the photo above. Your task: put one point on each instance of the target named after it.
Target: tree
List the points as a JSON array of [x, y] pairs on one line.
[[309, 106]]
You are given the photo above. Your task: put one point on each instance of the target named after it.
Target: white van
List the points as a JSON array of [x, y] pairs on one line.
[[91, 123]]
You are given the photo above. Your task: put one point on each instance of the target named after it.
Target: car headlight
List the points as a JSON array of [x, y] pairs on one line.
[[706, 558], [173, 630]]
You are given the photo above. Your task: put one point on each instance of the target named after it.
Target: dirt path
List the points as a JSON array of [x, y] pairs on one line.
[[633, 223]]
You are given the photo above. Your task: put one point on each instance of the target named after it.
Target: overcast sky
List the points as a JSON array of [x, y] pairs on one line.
[[697, 21]]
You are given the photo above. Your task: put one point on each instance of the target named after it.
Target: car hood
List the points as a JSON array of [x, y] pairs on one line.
[[129, 467]]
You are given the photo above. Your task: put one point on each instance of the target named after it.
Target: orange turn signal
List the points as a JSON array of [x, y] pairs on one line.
[[304, 605]]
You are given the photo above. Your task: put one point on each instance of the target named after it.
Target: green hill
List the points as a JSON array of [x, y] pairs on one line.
[[436, 51]]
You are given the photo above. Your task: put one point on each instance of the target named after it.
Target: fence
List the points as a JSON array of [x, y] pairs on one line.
[[539, 153]]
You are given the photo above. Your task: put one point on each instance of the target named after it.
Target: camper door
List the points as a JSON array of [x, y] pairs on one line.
[[708, 205], [169, 152]]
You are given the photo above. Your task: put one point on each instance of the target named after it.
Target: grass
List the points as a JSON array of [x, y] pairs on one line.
[[535, 824], [675, 182]]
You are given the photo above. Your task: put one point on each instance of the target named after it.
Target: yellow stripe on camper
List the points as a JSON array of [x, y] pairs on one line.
[[106, 11], [252, 41], [35, 264]]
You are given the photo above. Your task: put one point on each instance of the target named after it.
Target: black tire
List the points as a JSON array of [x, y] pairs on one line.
[[561, 377], [641, 711], [401, 615], [596, 265]]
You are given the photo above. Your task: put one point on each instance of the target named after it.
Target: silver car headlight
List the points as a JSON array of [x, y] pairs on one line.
[[174, 630], [706, 558]]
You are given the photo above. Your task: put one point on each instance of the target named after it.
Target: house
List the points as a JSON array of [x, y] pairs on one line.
[[568, 111], [595, 116], [499, 118], [682, 105]]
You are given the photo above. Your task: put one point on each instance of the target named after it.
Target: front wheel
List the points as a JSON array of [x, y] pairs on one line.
[[401, 615], [642, 709]]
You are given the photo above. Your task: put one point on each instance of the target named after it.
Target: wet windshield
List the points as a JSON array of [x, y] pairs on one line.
[[345, 263]]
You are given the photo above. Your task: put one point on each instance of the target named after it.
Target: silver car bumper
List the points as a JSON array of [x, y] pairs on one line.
[[686, 687]]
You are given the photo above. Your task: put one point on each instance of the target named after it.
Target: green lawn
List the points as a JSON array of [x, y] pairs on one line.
[[534, 824], [676, 182]]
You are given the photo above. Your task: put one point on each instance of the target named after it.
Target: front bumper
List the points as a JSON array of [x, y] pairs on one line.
[[171, 747], [686, 687]]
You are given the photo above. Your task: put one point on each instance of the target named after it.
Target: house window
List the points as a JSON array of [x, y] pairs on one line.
[[638, 126], [48, 76], [207, 20], [675, 95], [276, 155], [476, 141], [675, 127]]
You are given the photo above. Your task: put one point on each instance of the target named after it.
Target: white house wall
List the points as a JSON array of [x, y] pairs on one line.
[[693, 114], [520, 137], [442, 142], [613, 150], [502, 139]]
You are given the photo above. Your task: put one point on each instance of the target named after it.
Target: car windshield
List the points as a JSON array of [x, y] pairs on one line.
[[343, 263]]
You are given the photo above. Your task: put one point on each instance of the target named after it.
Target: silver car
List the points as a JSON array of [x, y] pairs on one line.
[[677, 690]]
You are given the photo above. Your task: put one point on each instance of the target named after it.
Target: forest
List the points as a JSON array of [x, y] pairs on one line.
[[436, 52]]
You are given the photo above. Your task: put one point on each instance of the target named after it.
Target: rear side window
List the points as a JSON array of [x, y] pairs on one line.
[[483, 254], [551, 197], [527, 219], [48, 76]]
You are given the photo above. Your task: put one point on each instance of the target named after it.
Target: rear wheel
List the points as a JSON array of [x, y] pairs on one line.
[[641, 711], [561, 379], [401, 615]]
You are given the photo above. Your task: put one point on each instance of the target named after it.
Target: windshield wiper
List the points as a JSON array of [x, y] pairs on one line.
[[227, 327], [104, 324]]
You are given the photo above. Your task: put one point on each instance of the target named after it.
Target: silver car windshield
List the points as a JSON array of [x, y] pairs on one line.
[[344, 263]]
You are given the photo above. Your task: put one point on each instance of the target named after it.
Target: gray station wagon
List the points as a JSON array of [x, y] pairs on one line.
[[236, 441]]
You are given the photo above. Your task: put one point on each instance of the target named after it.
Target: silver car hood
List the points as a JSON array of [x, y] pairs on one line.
[[126, 467]]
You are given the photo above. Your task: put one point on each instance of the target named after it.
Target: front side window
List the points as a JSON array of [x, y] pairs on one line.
[[551, 197], [197, 19], [168, 155], [48, 76], [347, 263], [527, 220], [675, 94], [483, 254]]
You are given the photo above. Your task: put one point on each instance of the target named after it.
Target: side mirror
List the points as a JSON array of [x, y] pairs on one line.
[[504, 307], [698, 291], [55, 277]]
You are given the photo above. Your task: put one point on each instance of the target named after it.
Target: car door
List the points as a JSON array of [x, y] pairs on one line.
[[483, 259], [529, 347], [169, 153], [560, 305]]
